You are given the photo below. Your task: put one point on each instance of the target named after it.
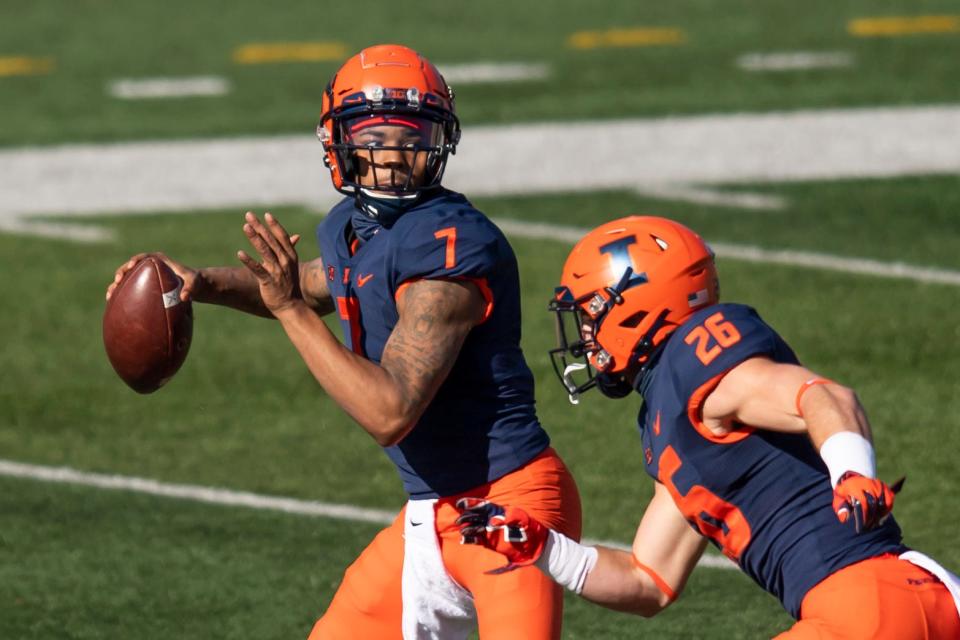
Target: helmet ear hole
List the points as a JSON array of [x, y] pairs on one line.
[[633, 321]]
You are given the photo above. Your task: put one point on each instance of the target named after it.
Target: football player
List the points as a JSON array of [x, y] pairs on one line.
[[748, 449], [426, 288]]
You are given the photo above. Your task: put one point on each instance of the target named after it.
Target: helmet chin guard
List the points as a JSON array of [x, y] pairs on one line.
[[596, 361]]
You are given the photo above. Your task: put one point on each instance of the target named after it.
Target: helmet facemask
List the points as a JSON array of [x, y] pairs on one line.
[[401, 154], [589, 364], [576, 374]]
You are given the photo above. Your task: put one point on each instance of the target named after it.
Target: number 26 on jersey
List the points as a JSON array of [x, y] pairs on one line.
[[712, 337]]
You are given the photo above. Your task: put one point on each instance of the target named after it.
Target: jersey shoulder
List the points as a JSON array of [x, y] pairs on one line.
[[446, 237], [715, 340]]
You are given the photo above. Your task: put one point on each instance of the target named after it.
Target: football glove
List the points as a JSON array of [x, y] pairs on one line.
[[509, 531], [865, 501]]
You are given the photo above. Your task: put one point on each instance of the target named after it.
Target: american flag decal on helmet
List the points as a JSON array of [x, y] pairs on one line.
[[697, 299]]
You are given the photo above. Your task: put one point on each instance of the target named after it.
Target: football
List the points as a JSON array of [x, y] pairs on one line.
[[147, 329]]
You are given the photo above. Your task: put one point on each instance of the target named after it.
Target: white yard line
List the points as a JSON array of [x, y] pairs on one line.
[[897, 270], [489, 72], [808, 259], [162, 88], [194, 493], [527, 159], [670, 157], [795, 60], [713, 197], [229, 498], [83, 233]]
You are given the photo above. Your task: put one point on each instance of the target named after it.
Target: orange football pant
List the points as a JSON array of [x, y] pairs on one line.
[[882, 598], [520, 605]]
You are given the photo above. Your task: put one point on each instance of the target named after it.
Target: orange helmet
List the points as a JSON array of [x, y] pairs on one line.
[[627, 285], [382, 85]]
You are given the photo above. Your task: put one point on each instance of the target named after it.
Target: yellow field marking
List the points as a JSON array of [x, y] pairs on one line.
[[24, 66], [902, 26], [263, 53], [640, 37]]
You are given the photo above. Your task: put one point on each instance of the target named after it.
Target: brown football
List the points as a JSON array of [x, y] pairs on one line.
[[146, 327]]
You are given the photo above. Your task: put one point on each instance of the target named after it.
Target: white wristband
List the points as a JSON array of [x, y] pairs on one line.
[[566, 561], [848, 451]]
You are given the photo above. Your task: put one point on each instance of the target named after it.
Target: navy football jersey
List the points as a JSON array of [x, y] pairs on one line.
[[482, 423], [764, 498]]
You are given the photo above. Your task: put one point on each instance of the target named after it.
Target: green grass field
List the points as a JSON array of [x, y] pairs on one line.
[[244, 413]]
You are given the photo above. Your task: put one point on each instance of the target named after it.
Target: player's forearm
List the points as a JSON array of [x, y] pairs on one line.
[[839, 429], [832, 408], [616, 582], [364, 389], [237, 288], [604, 576], [233, 287]]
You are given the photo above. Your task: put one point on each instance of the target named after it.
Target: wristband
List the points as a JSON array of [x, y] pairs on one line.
[[566, 561], [848, 451]]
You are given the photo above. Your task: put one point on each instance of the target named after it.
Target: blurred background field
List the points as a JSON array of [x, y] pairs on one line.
[[244, 414]]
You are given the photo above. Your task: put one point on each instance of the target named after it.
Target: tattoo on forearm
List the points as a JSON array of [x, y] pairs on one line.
[[233, 287], [314, 288], [435, 320]]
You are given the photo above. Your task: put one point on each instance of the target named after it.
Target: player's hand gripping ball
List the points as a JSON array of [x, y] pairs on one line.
[[865, 501], [147, 328], [510, 531]]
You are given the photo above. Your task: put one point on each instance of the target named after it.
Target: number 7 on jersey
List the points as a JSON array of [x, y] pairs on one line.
[[450, 233]]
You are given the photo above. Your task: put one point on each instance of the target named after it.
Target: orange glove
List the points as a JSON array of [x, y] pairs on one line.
[[868, 500], [507, 530]]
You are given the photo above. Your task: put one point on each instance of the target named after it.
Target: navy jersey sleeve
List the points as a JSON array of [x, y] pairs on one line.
[[716, 340], [458, 245]]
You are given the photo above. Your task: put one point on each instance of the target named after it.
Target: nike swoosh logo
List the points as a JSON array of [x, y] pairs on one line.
[[362, 280], [415, 524]]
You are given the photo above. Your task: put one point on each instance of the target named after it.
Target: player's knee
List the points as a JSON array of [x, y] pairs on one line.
[[368, 591]]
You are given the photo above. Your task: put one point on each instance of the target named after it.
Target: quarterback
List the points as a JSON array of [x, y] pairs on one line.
[[748, 449], [426, 289]]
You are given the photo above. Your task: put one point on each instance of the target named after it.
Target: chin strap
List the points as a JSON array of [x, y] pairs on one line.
[[385, 208], [645, 346]]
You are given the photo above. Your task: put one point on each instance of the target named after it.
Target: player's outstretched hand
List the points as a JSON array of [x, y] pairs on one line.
[[185, 273], [865, 501], [510, 531], [278, 273]]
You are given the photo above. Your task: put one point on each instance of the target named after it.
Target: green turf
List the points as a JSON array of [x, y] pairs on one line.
[[245, 414], [83, 564], [95, 42], [910, 220]]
